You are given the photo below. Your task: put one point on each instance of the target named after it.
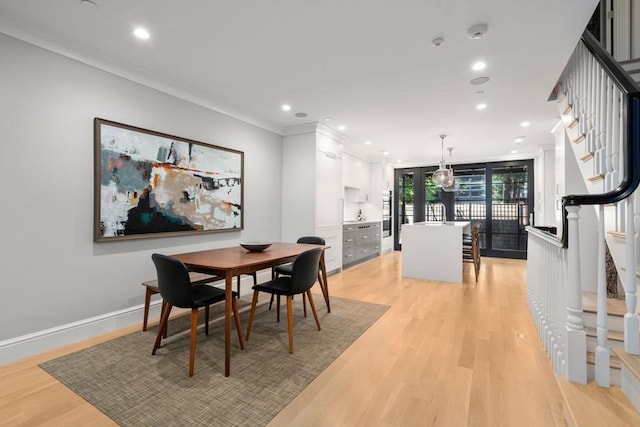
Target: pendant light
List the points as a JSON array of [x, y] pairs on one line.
[[453, 186], [443, 177]]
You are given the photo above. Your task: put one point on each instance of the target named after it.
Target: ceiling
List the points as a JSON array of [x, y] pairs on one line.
[[367, 65]]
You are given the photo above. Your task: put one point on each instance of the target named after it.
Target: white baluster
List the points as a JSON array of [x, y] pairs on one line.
[[607, 135], [591, 70], [599, 153], [620, 207], [614, 129], [576, 336], [602, 352]]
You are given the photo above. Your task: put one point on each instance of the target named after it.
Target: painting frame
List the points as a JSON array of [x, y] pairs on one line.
[[150, 184]]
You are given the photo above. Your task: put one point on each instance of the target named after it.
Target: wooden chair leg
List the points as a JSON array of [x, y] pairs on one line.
[[325, 290], [236, 316], [290, 321], [147, 302], [206, 320], [313, 309], [322, 273], [194, 334], [252, 313], [163, 308], [278, 308], [274, 275], [161, 329], [304, 305]]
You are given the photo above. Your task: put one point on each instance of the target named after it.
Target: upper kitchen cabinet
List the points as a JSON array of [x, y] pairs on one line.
[[312, 187], [356, 178]]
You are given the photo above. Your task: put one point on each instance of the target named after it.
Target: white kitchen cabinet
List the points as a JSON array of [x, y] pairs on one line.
[[356, 179], [312, 188]]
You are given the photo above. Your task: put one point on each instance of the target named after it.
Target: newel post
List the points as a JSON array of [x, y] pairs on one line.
[[576, 336], [631, 320]]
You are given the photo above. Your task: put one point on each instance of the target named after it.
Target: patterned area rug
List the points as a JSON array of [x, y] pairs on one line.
[[123, 380]]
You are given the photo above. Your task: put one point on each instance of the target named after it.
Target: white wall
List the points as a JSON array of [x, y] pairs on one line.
[[544, 201], [548, 199], [299, 185], [51, 272]]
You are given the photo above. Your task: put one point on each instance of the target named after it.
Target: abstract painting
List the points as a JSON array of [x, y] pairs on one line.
[[150, 184]]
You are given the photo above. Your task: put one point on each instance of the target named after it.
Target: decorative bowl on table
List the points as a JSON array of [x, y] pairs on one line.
[[255, 246]]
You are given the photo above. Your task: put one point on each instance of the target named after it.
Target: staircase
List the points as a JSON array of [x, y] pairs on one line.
[[632, 67], [615, 333], [589, 337]]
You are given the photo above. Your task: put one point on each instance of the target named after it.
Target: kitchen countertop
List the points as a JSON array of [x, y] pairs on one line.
[[433, 250], [360, 222]]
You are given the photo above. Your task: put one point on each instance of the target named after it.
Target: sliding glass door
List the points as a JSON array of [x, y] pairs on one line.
[[497, 195], [511, 203]]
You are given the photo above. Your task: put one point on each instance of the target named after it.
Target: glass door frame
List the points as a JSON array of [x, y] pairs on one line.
[[419, 196], [504, 253]]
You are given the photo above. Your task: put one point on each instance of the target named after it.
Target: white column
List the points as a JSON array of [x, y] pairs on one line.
[[576, 336], [602, 352]]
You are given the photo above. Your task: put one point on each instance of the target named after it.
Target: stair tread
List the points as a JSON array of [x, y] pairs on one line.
[[617, 234], [631, 361], [615, 307], [612, 335], [585, 403], [629, 61], [587, 156], [614, 361], [597, 177], [637, 271]]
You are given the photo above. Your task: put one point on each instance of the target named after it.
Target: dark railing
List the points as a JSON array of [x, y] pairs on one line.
[[631, 172]]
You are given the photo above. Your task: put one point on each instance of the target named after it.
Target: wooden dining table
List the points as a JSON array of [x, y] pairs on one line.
[[234, 261]]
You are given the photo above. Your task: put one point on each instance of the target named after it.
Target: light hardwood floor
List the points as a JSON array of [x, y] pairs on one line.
[[442, 355]]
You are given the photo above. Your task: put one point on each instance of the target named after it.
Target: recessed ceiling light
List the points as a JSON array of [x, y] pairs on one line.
[[514, 151], [479, 66], [525, 124], [477, 31], [384, 153], [399, 161], [89, 3], [367, 142], [342, 127], [481, 106], [327, 119], [518, 139], [302, 115], [479, 80], [141, 33], [286, 107]]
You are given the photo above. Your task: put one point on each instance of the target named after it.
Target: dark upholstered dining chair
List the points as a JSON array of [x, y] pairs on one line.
[[304, 272], [176, 290], [285, 270]]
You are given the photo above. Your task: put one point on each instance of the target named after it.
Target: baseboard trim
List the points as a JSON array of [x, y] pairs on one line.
[[34, 343], [37, 342]]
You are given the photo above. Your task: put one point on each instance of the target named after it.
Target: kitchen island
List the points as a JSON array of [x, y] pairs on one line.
[[433, 250]]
